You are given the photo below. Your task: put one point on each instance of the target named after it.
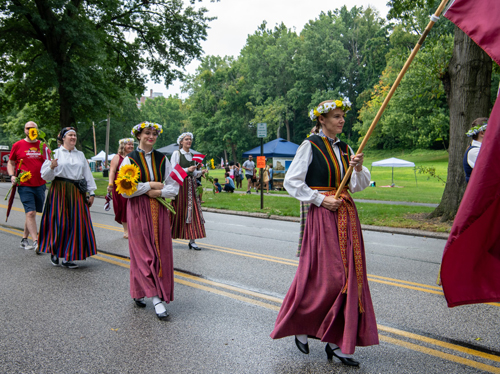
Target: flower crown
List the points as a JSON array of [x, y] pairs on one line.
[[476, 130], [183, 135], [138, 128], [343, 104], [125, 141]]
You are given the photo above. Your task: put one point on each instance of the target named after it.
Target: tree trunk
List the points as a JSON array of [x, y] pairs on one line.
[[467, 84], [233, 151], [287, 124], [66, 117]]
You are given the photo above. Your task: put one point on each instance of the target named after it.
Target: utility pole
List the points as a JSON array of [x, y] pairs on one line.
[[95, 144], [107, 140]]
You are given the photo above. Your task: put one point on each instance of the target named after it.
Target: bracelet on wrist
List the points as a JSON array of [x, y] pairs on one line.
[[110, 184]]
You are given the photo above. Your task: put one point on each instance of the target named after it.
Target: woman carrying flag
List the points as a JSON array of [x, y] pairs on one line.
[[188, 222], [150, 244]]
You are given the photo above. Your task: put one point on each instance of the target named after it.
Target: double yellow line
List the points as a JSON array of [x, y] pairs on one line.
[[385, 333]]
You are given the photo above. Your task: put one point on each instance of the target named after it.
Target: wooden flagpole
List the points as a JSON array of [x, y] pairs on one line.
[[426, 32]]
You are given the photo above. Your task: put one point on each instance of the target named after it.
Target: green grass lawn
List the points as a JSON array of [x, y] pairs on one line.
[[428, 190]]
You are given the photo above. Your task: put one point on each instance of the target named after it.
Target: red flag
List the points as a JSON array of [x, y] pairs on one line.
[[471, 260], [178, 174], [470, 269], [198, 157], [480, 20]]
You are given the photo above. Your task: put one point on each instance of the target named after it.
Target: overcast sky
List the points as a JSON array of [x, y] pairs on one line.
[[236, 19]]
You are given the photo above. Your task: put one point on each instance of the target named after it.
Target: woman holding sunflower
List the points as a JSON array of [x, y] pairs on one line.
[[119, 202], [66, 229], [188, 223], [150, 240]]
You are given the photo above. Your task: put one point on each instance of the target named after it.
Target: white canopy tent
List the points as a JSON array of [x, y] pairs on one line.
[[395, 163], [101, 156]]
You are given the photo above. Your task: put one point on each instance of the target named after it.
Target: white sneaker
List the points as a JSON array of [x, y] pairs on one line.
[[25, 243]]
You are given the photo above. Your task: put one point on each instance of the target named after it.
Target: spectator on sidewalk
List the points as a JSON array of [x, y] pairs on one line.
[[249, 167]]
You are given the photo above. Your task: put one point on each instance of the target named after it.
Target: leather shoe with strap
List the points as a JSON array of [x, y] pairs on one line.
[[140, 303], [345, 360]]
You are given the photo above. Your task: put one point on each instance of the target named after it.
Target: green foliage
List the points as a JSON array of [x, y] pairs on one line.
[[85, 55]]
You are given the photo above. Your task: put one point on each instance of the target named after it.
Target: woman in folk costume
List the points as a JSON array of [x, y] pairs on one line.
[[150, 241], [188, 222], [66, 228], [119, 202], [329, 297], [476, 132]]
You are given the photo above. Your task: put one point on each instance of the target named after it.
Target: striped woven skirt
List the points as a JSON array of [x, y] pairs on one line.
[[304, 209], [66, 228], [188, 222]]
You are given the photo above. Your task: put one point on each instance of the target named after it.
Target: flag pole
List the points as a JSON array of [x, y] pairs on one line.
[[426, 32]]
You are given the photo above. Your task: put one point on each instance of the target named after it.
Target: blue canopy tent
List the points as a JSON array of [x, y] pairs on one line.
[[275, 148]]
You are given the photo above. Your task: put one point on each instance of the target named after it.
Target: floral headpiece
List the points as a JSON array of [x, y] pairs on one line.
[[343, 104], [476, 130], [138, 128], [125, 141], [183, 135]]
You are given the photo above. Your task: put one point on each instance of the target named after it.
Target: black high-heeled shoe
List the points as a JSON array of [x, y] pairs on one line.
[[345, 360], [304, 348], [194, 246]]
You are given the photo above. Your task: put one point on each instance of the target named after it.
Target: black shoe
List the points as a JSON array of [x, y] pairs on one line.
[[249, 192], [69, 265], [194, 246], [304, 348], [345, 360], [140, 302], [54, 260], [163, 315]]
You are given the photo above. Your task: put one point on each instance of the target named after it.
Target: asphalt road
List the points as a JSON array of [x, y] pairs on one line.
[[227, 296]]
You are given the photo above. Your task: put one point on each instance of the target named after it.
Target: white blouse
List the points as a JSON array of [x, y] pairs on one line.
[[70, 165], [473, 153], [170, 188], [296, 175], [176, 158]]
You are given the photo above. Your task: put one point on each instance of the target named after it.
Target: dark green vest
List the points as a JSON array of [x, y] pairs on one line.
[[325, 168], [158, 162], [185, 163]]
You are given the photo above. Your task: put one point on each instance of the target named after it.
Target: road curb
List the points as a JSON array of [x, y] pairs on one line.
[[391, 230]]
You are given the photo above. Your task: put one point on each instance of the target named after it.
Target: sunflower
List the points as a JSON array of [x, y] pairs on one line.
[[25, 176], [129, 171], [125, 185], [33, 133]]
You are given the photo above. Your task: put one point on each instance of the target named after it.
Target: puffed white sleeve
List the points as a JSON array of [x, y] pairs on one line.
[[175, 159], [472, 157], [359, 179], [296, 175], [46, 172], [142, 188], [171, 187], [87, 174]]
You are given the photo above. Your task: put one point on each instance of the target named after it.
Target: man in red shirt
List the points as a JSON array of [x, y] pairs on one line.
[[31, 192]]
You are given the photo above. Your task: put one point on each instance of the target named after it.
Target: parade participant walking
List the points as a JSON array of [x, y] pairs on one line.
[[249, 167], [31, 192], [150, 241], [66, 229], [119, 202], [477, 134], [188, 222], [329, 297]]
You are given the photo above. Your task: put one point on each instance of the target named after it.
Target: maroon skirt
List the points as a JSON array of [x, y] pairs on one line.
[[150, 246], [315, 304], [119, 202]]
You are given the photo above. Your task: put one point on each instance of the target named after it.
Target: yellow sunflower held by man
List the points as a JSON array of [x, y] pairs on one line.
[[33, 133], [25, 176], [130, 171]]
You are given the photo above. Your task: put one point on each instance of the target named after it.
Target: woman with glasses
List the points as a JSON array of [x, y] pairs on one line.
[[66, 230]]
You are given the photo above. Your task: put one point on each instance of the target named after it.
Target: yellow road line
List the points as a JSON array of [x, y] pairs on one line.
[[407, 282], [439, 354], [405, 286], [15, 232], [97, 257], [16, 209], [439, 343]]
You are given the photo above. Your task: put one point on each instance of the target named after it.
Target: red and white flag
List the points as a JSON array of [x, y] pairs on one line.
[[198, 157], [178, 174], [471, 260]]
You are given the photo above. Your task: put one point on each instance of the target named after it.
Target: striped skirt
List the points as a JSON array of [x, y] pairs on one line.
[[188, 222], [304, 209], [66, 228]]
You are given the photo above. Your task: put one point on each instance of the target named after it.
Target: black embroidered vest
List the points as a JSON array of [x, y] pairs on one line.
[[157, 161], [325, 168]]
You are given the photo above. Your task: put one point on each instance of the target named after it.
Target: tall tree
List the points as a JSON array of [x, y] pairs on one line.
[[89, 51], [468, 87]]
